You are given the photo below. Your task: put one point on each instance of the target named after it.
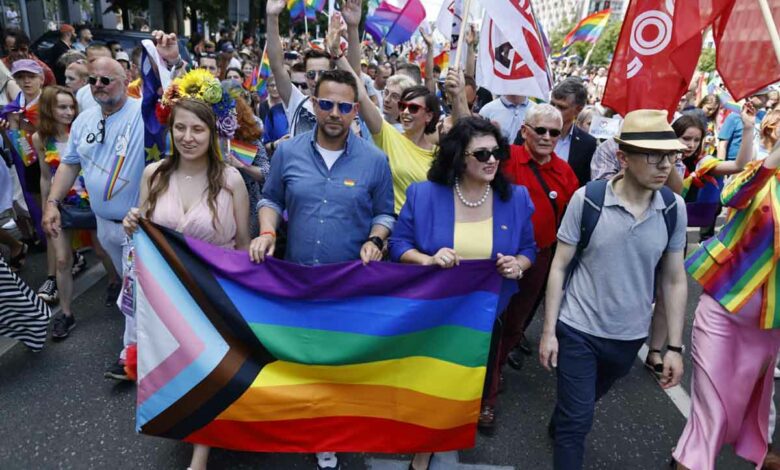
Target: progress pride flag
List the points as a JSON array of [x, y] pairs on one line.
[[649, 70]]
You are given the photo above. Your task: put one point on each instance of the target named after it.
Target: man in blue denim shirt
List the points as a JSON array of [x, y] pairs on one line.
[[336, 188]]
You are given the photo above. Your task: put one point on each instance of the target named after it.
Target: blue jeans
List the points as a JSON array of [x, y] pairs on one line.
[[587, 368]]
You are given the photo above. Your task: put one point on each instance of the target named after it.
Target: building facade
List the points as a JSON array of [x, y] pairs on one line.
[[35, 17]]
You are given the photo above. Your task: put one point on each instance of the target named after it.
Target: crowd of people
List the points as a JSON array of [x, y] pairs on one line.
[[360, 155]]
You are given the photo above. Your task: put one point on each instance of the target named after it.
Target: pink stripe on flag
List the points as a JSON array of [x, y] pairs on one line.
[[190, 344]]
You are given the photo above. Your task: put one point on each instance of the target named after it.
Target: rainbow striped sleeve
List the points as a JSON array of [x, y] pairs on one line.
[[276, 357], [744, 187]]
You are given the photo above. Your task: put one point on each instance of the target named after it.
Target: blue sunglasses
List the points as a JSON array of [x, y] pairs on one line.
[[327, 106]]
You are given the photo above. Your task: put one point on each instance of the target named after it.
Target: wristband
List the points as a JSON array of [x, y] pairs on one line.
[[53, 201], [377, 241], [677, 349], [269, 232]]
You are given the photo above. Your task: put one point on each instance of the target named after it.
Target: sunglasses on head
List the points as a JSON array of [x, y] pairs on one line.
[[345, 107], [98, 137], [483, 155], [301, 85], [314, 74], [105, 81], [540, 131], [413, 108]]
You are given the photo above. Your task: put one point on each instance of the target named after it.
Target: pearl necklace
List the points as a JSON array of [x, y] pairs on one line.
[[469, 203]]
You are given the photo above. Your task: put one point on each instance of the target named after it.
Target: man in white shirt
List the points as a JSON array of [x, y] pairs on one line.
[[508, 111]]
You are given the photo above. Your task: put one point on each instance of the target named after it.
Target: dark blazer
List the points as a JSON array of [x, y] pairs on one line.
[[581, 153]]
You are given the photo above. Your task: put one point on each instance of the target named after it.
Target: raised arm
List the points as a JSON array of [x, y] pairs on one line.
[[472, 40], [429, 81], [455, 86], [352, 11], [275, 51], [368, 110], [746, 150]]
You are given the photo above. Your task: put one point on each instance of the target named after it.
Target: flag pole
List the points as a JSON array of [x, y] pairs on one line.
[[587, 56], [770, 25], [463, 24]]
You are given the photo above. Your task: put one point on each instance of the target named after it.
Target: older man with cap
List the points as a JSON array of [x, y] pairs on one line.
[[617, 239], [106, 142]]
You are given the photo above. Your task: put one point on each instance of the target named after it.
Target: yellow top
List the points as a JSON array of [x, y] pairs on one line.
[[474, 240], [408, 162]]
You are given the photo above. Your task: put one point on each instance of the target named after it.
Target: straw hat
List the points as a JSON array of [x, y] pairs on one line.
[[648, 129]]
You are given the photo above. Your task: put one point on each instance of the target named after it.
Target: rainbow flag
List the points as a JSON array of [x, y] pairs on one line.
[[22, 144], [244, 152], [588, 29], [305, 8], [277, 357], [395, 24]]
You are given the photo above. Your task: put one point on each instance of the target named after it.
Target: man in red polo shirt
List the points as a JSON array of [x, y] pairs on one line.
[[551, 183]]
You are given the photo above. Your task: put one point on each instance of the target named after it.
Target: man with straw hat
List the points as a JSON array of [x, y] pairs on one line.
[[617, 239]]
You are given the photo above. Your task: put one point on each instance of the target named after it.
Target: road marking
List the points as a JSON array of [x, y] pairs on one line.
[[82, 284], [677, 394], [441, 461]]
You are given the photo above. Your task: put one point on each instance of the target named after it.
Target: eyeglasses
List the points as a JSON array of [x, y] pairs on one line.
[[105, 81], [540, 131], [345, 107], [314, 74], [412, 107], [101, 133], [483, 155], [301, 85], [388, 94], [657, 158]]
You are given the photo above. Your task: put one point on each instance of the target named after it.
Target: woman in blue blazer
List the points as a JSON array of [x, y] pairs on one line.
[[467, 210]]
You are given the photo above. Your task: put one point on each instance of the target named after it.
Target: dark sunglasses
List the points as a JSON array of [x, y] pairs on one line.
[[105, 81], [101, 133], [540, 131], [483, 155], [327, 106], [412, 107], [314, 74], [301, 85]]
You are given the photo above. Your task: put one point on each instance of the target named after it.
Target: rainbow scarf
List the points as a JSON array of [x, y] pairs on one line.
[[243, 152], [276, 357], [77, 195], [589, 29]]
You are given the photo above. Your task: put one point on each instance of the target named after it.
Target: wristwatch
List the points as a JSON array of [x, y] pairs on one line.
[[377, 241], [677, 349]]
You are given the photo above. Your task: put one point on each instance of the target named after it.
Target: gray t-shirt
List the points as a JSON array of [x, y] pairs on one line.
[[610, 293]]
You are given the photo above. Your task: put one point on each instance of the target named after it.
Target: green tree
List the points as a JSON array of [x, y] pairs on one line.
[[707, 60], [605, 46]]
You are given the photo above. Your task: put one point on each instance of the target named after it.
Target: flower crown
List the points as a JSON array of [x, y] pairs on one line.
[[200, 85]]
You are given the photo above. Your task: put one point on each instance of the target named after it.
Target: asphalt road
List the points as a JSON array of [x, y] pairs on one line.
[[57, 411]]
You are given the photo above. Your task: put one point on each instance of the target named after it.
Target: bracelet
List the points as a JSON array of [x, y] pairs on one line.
[[677, 349], [377, 241], [53, 201], [269, 232]]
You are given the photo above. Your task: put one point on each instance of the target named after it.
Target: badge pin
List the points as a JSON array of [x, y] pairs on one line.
[[553, 195], [504, 227]]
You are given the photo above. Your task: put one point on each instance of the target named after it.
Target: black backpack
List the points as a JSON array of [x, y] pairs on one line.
[[591, 211]]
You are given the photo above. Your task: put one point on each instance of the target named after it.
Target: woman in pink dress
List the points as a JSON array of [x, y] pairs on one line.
[[194, 192], [736, 329]]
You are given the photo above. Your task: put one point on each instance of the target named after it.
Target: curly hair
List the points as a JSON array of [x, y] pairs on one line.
[[248, 129], [449, 162], [160, 179]]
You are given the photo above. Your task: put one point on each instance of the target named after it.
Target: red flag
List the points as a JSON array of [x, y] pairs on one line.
[[745, 56], [648, 71]]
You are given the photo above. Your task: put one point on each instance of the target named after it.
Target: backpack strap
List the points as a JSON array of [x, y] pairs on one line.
[[591, 212], [670, 212]]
